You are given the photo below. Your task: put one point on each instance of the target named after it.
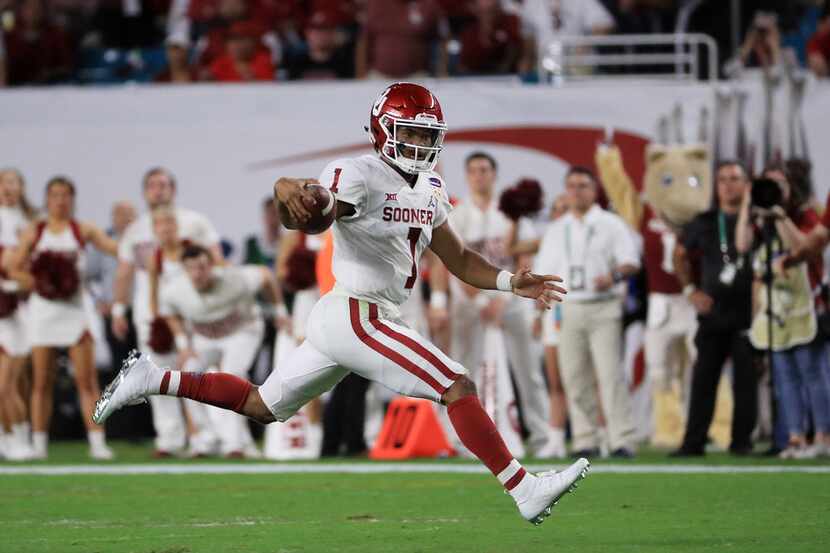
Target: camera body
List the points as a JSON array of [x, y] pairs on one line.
[[766, 193]]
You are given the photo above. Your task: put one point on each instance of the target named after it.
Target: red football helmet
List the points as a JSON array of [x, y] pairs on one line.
[[407, 106]]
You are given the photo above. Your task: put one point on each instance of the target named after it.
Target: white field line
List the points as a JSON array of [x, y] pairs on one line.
[[375, 468]]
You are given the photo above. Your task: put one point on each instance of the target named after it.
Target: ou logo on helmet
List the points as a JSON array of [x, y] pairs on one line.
[[379, 102]]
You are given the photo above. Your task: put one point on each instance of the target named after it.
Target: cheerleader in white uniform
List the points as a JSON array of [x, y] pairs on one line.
[[164, 268], [15, 215], [51, 262]]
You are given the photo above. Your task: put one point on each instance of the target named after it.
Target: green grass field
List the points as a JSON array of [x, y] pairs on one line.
[[406, 512]]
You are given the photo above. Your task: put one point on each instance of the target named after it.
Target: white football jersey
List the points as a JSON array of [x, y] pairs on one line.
[[376, 250], [138, 246], [229, 304], [485, 232]]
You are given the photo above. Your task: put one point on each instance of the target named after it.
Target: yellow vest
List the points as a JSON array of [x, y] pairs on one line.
[[794, 317]]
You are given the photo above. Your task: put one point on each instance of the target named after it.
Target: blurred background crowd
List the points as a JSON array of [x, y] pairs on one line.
[[111, 41]]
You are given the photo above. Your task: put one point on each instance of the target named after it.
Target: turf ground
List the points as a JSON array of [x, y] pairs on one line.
[[612, 511]]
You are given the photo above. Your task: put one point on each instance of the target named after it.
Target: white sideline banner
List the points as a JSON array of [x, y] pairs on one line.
[[228, 143]]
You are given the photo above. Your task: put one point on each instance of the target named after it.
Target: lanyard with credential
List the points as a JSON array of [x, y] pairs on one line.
[[568, 244], [724, 242]]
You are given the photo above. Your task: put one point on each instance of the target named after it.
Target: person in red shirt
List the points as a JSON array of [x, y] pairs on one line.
[[179, 69], [398, 39], [490, 44], [37, 51], [818, 48], [243, 61]]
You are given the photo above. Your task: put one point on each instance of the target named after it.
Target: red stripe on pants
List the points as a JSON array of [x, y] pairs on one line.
[[392, 355], [410, 343]]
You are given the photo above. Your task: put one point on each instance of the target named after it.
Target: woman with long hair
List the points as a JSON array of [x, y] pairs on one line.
[[50, 262], [799, 357], [15, 214]]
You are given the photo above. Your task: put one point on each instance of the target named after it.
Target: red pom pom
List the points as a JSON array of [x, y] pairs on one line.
[[522, 200], [161, 337], [8, 304], [302, 272], [56, 274]]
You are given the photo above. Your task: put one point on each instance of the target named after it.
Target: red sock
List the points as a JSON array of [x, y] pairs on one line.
[[220, 389], [478, 433]]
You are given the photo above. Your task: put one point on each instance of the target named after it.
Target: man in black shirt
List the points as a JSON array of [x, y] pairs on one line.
[[722, 297], [328, 54]]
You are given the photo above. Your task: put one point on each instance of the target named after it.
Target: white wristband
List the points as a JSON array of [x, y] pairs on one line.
[[280, 312], [182, 343], [689, 289], [503, 281], [119, 310], [438, 299]]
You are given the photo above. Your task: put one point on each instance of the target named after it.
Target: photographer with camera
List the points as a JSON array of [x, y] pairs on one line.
[[722, 297], [769, 217]]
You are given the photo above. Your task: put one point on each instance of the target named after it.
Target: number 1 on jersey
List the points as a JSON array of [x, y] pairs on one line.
[[414, 235], [336, 180]]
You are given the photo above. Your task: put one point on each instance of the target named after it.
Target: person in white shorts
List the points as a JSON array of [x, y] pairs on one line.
[[483, 227], [51, 261], [218, 306], [135, 252], [15, 215], [390, 207]]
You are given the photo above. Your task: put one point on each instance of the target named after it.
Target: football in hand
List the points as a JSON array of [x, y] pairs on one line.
[[322, 208]]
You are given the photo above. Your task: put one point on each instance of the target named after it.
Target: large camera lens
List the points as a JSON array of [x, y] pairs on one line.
[[766, 193]]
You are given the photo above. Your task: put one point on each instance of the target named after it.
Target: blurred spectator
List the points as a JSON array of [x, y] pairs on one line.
[[101, 271], [38, 52], [762, 43], [243, 61], [641, 16], [544, 20], [491, 43], [401, 38], [725, 281], [130, 23], [262, 248], [818, 48], [2, 58], [212, 21], [594, 251], [179, 69], [799, 358], [326, 57]]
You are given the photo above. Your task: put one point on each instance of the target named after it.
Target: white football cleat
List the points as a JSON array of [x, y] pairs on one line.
[[131, 386], [548, 489]]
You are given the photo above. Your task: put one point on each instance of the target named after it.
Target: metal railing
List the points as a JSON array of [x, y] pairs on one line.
[[677, 55]]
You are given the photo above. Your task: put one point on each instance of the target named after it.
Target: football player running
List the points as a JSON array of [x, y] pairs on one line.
[[390, 208]]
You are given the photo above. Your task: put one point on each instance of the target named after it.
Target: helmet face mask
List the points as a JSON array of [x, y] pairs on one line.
[[407, 127], [412, 147]]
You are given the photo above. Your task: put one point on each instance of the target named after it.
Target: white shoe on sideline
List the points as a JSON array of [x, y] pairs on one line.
[[548, 489], [16, 451], [130, 386], [554, 449], [798, 452], [101, 453]]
